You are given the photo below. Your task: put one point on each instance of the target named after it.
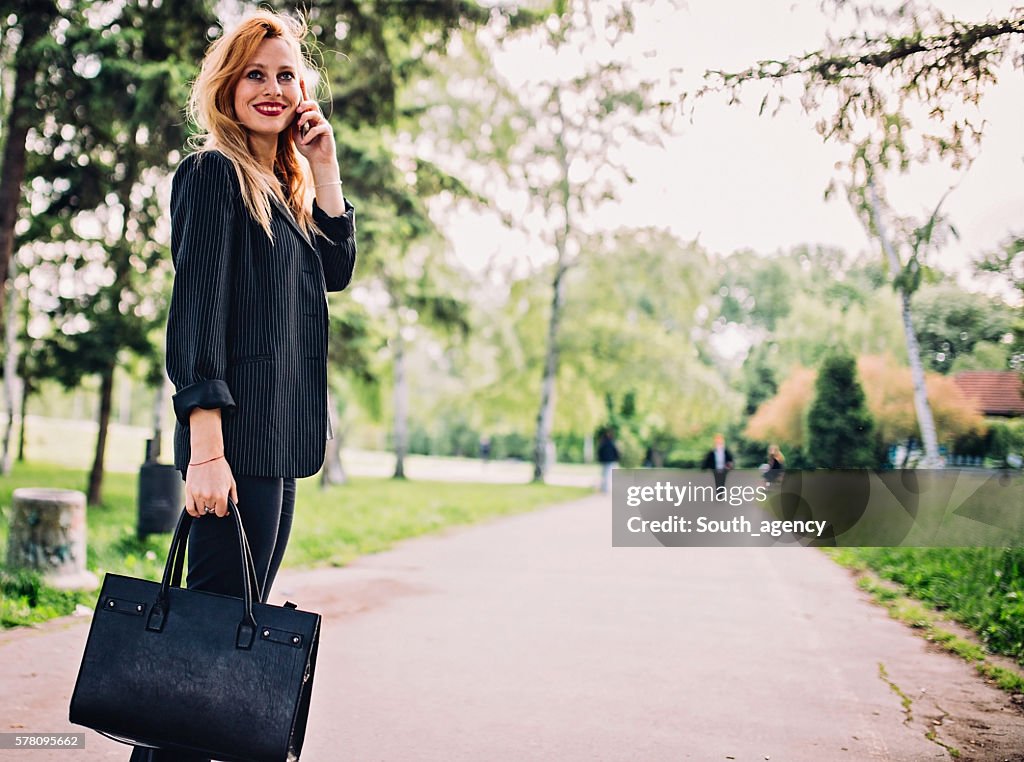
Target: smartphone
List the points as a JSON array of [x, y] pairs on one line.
[[307, 126]]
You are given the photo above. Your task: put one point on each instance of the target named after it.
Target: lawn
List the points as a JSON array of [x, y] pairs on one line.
[[332, 526], [982, 588]]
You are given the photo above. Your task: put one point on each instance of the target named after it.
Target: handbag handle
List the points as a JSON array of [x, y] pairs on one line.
[[179, 562], [246, 632]]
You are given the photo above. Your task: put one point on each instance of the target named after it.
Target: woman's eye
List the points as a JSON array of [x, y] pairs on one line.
[[254, 75], [288, 76]]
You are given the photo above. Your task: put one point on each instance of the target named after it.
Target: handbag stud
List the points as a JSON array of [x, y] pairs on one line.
[[111, 604], [295, 639], [266, 633]]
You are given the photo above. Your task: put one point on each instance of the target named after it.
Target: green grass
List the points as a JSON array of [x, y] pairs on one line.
[[332, 527], [878, 568], [982, 588]]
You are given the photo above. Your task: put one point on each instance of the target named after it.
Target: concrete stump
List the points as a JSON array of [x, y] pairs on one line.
[[47, 534]]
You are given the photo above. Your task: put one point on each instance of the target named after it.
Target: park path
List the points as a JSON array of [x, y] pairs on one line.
[[531, 638]]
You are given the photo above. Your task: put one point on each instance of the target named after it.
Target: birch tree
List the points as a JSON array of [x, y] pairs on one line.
[[548, 151]]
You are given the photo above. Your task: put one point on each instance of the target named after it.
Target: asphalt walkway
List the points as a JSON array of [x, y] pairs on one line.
[[531, 638]]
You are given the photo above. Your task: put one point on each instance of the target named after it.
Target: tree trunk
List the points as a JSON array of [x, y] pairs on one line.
[[124, 401], [96, 475], [401, 403], [23, 114], [24, 418], [10, 374], [26, 388], [925, 420], [333, 471], [546, 413]]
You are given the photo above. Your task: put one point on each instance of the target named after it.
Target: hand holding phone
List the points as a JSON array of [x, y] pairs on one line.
[[313, 135]]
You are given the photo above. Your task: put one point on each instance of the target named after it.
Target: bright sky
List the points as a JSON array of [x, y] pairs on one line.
[[736, 180]]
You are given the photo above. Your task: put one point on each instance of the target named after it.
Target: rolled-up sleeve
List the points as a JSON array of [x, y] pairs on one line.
[[202, 227], [337, 245]]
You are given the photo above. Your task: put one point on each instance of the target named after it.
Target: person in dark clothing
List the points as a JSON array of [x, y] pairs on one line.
[[720, 460], [608, 456], [260, 231]]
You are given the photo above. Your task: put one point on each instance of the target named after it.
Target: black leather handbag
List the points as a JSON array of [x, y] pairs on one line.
[[197, 672]]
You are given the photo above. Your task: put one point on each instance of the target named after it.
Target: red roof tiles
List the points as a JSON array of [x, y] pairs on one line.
[[997, 392]]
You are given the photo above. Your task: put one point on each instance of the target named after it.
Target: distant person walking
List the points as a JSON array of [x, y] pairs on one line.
[[608, 456], [720, 460], [776, 465]]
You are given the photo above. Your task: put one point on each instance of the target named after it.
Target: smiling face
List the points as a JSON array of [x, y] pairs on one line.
[[268, 92]]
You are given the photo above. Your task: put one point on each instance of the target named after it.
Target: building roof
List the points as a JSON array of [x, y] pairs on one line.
[[996, 392]]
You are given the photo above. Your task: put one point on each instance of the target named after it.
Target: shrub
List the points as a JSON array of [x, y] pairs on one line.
[[839, 426]]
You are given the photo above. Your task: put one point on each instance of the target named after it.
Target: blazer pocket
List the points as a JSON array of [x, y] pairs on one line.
[[250, 359]]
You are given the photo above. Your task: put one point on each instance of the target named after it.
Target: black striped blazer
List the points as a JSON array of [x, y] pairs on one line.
[[247, 327]]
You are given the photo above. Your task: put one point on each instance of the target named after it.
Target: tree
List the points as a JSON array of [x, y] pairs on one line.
[[352, 342], [781, 418], [26, 30], [555, 143], [950, 323], [629, 332], [906, 279], [839, 426], [630, 319], [109, 89], [1008, 263]]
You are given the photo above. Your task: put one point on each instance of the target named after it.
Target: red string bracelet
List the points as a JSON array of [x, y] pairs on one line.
[[204, 462]]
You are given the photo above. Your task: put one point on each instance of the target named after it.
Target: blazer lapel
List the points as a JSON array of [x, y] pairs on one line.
[[287, 214]]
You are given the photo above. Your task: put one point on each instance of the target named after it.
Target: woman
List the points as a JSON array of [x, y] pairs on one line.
[[776, 465], [259, 231]]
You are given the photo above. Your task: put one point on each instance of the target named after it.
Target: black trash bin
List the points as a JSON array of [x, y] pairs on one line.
[[160, 498]]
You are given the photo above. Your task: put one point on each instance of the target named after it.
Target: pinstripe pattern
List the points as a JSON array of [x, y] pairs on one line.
[[247, 327]]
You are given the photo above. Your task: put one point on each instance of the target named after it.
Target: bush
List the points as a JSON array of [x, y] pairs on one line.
[[512, 445], [1005, 438], [24, 599], [839, 426]]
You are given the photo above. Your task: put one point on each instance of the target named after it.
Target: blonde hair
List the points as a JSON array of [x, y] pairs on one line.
[[211, 109]]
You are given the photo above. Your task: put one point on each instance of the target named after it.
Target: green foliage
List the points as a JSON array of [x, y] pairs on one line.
[[24, 599], [1006, 437], [950, 322], [984, 356], [1007, 263], [759, 384], [797, 302], [839, 426], [983, 588]]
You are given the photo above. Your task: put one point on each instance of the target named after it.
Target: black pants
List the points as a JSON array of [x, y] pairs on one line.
[[214, 563], [720, 474]]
